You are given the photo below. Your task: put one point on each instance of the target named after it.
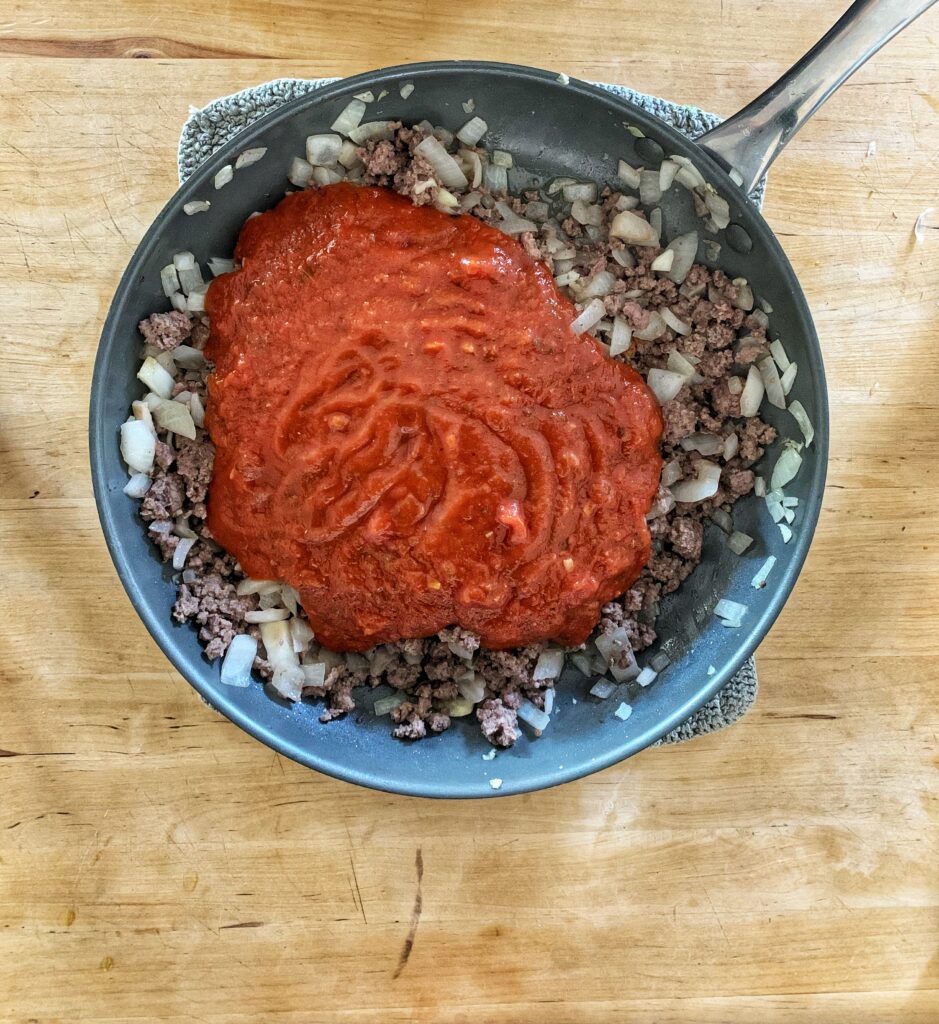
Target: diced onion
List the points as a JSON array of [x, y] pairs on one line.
[[752, 395], [723, 519], [249, 157], [197, 410], [772, 383], [623, 712], [196, 206], [349, 118], [238, 660], [591, 314], [678, 326], [179, 302], [195, 300], [655, 328], [474, 129], [667, 172], [621, 338], [726, 609], [585, 191], [805, 424], [265, 615], [555, 186], [779, 354], [511, 223], [663, 262], [692, 172], [406, 89], [650, 191], [300, 634], [789, 377], [633, 229], [325, 175], [786, 468], [138, 485], [224, 176], [249, 586], [445, 167], [759, 487], [739, 542], [671, 473], [759, 580], [502, 159], [704, 485], [785, 531], [735, 385], [314, 674], [496, 179], [647, 676], [371, 130], [664, 384], [720, 214], [706, 444], [176, 417], [685, 248], [628, 174], [533, 717], [677, 363], [323, 150], [549, 665], [602, 688], [155, 377], [744, 299], [598, 286], [190, 278], [300, 172], [180, 552], [169, 279], [217, 266], [731, 444]]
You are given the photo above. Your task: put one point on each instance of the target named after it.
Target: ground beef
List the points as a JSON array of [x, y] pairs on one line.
[[429, 672], [166, 331]]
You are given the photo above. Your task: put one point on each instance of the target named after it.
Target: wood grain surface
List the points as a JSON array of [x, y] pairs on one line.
[[157, 864]]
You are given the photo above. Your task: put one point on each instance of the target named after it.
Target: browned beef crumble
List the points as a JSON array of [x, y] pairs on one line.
[[723, 339]]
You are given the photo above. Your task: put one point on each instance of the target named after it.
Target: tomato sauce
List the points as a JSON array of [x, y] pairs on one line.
[[408, 432]]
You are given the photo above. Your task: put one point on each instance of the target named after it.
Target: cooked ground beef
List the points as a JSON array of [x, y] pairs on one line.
[[432, 673]]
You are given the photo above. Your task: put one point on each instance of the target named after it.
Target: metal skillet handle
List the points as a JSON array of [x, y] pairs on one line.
[[750, 141]]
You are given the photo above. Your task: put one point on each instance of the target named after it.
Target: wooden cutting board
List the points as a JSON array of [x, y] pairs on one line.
[[156, 864]]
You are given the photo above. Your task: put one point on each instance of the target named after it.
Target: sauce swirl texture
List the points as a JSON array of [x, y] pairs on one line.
[[408, 432]]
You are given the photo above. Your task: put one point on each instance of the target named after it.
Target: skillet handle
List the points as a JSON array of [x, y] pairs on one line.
[[751, 140]]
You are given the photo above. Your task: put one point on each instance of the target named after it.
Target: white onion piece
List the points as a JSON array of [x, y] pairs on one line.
[[786, 468], [692, 172], [533, 717], [802, 418], [511, 223], [567, 278], [138, 445], [180, 552], [195, 300], [789, 377], [623, 712], [325, 175], [367, 97], [349, 118], [663, 262], [598, 286], [628, 174], [385, 705], [788, 514], [785, 531], [496, 179], [445, 167], [623, 664], [348, 155], [190, 278], [704, 485], [314, 674], [732, 612], [249, 586], [664, 384], [678, 326], [586, 213], [772, 383], [249, 157], [759, 580], [178, 301], [169, 279], [647, 676], [138, 485], [555, 186], [265, 615], [778, 352], [623, 257], [735, 385], [602, 688], [776, 512], [677, 363], [473, 689], [176, 417], [474, 129], [789, 502], [224, 176], [502, 159], [155, 377], [300, 634], [471, 166], [622, 337], [470, 201], [584, 191], [184, 261], [731, 444], [591, 314], [719, 211], [671, 473], [706, 444], [655, 328], [633, 229], [238, 660], [655, 222], [739, 542], [685, 248], [667, 172], [197, 410], [217, 266], [371, 130], [447, 202], [744, 299], [759, 487], [196, 206], [406, 89], [649, 191], [299, 172], [752, 395], [549, 665]]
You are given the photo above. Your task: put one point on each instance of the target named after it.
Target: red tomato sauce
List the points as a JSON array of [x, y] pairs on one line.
[[408, 432]]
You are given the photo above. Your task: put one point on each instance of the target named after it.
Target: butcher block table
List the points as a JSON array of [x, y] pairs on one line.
[[157, 864]]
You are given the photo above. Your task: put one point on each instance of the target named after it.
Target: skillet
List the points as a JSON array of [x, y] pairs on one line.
[[553, 126]]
